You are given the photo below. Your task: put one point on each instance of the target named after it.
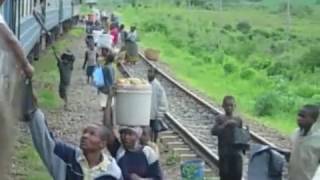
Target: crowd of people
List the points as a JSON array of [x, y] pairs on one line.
[[111, 152]]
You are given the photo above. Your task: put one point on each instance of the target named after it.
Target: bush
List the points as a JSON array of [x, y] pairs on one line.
[[155, 25], [302, 11], [213, 24], [207, 59], [242, 49], [306, 91], [310, 59], [278, 47], [281, 29], [287, 103], [218, 57], [299, 11], [229, 68], [277, 68], [244, 27], [259, 63], [247, 73], [177, 41], [228, 27], [266, 104], [262, 33], [316, 99]]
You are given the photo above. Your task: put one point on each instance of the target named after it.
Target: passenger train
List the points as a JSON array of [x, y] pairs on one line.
[[57, 15]]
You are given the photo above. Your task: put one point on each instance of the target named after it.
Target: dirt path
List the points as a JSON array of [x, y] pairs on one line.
[[67, 125], [83, 103]]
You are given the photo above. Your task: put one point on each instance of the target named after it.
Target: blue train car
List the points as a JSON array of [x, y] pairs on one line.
[[55, 13], [51, 9], [28, 30], [65, 10], [7, 11]]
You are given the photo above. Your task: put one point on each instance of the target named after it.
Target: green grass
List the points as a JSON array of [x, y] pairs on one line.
[[85, 10], [170, 30], [213, 82], [47, 74], [30, 165]]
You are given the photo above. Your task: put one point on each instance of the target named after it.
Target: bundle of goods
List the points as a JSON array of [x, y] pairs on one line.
[[152, 54], [133, 102], [105, 41], [96, 35]]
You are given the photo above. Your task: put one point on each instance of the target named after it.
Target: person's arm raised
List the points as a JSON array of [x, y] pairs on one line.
[[13, 45], [45, 143]]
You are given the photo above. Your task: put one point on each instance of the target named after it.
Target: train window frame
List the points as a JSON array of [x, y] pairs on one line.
[[30, 6], [21, 8], [26, 8]]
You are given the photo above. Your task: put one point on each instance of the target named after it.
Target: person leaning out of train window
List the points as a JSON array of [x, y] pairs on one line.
[[137, 162], [305, 153], [67, 162], [9, 43], [159, 105], [230, 157]]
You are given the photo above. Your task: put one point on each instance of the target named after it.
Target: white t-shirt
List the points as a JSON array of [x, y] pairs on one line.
[[2, 20]]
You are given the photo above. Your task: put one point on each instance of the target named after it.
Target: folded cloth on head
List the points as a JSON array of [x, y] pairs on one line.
[[135, 129]]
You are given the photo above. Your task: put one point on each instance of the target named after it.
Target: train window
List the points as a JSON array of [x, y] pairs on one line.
[[22, 8], [26, 7], [30, 6]]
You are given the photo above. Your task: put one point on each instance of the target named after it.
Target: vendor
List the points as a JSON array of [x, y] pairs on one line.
[[135, 161]]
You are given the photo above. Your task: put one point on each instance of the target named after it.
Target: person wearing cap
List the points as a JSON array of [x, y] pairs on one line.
[[136, 162]]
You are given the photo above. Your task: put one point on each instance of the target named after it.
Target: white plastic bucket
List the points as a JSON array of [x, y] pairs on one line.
[[133, 107], [105, 41]]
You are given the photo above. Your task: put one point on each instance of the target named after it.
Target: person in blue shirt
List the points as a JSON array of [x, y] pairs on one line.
[[137, 162]]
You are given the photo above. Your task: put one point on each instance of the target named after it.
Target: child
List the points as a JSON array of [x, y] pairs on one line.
[[145, 139], [230, 158], [305, 154], [90, 61], [65, 65]]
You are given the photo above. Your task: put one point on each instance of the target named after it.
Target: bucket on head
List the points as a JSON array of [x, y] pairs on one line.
[[192, 170], [133, 106]]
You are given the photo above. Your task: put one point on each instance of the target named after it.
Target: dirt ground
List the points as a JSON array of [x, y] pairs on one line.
[[84, 109]]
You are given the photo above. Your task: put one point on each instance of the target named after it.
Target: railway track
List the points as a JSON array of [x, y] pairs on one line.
[[184, 143], [192, 118]]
